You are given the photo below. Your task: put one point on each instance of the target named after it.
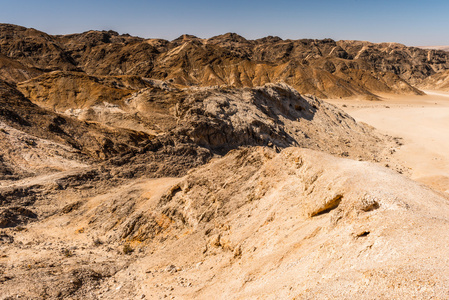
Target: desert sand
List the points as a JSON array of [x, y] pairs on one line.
[[423, 124]]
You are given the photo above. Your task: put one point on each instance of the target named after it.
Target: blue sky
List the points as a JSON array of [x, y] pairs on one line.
[[409, 22]]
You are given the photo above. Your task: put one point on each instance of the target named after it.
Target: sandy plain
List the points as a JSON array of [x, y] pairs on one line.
[[423, 124]]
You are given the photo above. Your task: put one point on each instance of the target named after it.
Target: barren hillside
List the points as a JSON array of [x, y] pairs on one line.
[[325, 68], [54, 165], [254, 223], [135, 168], [438, 81]]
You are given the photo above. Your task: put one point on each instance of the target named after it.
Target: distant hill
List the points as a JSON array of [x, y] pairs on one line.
[[325, 68]]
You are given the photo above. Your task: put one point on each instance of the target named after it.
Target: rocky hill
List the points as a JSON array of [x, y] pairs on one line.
[[31, 135], [13, 71], [202, 121], [438, 81], [53, 164], [324, 68]]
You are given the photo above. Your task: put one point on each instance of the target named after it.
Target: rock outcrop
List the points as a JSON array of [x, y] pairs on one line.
[[273, 115]]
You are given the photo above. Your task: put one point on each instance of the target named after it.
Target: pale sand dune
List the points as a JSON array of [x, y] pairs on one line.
[[422, 122]]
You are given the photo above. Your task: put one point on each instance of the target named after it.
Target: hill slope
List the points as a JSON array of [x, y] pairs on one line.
[[35, 139], [299, 224], [438, 81]]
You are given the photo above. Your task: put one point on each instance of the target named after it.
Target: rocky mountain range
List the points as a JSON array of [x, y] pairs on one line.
[[324, 68], [136, 168]]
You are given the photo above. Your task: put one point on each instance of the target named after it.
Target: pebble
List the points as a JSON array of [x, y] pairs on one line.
[[171, 269]]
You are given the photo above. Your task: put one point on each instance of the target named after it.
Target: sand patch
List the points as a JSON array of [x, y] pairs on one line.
[[422, 122]]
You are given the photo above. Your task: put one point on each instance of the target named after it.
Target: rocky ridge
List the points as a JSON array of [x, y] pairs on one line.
[[325, 68]]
